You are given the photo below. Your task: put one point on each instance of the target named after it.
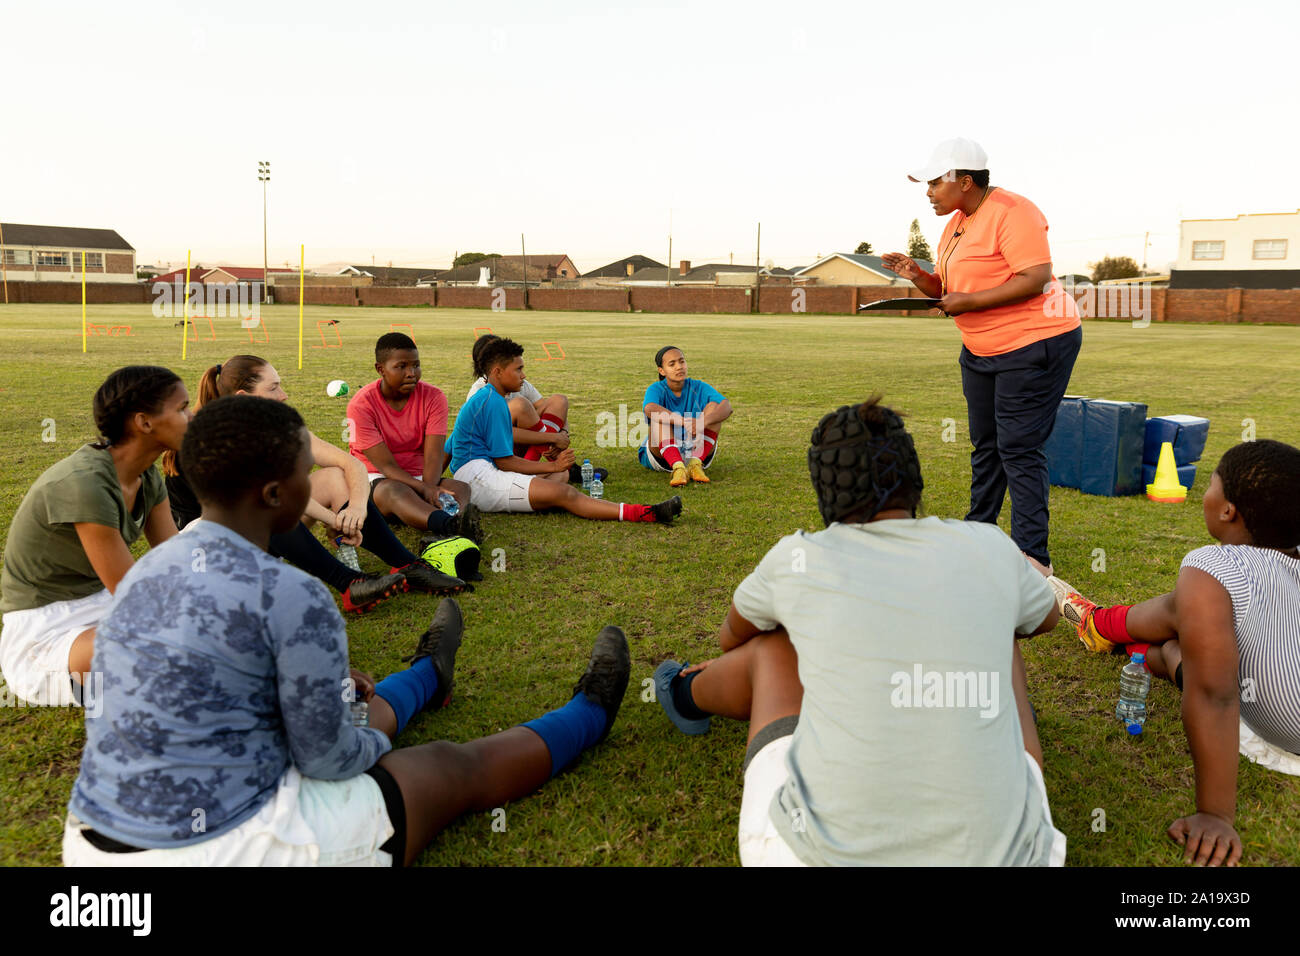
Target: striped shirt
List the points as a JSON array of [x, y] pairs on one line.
[[1264, 585]]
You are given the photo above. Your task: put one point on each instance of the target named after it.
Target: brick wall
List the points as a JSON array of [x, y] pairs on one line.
[[574, 300], [65, 292], [781, 300], [121, 263], [691, 300], [392, 295]]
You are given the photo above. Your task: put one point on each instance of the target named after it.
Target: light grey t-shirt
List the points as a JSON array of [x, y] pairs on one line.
[[528, 391], [908, 749]]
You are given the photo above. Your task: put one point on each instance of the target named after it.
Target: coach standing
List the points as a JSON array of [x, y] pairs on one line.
[[1020, 333]]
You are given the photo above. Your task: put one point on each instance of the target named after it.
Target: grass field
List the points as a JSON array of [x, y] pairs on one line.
[[651, 796]]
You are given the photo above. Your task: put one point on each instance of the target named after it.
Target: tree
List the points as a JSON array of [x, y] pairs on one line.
[[863, 249], [469, 258], [917, 247], [1116, 267]]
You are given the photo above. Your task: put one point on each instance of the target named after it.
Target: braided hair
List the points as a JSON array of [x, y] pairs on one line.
[[129, 390], [1262, 479], [862, 461]]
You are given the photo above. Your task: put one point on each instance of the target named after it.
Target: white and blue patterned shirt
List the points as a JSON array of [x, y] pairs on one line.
[[222, 666], [1264, 585]]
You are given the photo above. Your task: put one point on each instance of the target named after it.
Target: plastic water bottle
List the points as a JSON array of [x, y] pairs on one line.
[[587, 472], [447, 502], [597, 488], [348, 554], [360, 711], [1134, 685]]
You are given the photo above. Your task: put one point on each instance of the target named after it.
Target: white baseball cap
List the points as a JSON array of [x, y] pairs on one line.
[[951, 154]]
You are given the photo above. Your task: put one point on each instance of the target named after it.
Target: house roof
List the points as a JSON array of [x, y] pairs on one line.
[[618, 270], [199, 273], [872, 263], [69, 237], [396, 273], [504, 269], [702, 273]]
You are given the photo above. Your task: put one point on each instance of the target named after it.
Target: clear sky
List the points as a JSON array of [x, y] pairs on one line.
[[409, 131]]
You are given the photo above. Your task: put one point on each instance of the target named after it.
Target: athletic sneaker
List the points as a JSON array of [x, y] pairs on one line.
[[605, 680], [665, 674], [366, 592], [696, 471], [679, 477], [666, 511], [422, 576], [441, 641], [1078, 611]]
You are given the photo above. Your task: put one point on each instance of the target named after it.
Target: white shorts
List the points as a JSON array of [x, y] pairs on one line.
[[491, 489], [34, 646], [1258, 750], [307, 822], [762, 845], [375, 476]]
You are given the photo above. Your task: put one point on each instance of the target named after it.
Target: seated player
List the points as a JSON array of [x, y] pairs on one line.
[[482, 455], [68, 545], [684, 416], [1226, 637], [910, 739], [227, 738], [340, 500], [399, 429], [540, 423]]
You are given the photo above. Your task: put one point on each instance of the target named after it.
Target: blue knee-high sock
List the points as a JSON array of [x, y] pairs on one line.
[[408, 691], [570, 730]]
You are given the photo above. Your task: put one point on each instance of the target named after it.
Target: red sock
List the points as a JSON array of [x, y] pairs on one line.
[[534, 452], [635, 513], [670, 454], [710, 442], [1112, 623], [1143, 649], [552, 423]]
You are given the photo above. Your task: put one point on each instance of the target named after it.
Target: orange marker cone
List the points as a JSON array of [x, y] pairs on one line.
[[1166, 487]]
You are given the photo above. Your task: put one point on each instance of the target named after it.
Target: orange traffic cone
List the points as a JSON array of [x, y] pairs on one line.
[[1166, 487]]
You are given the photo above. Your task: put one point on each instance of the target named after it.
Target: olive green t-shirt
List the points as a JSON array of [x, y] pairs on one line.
[[43, 558]]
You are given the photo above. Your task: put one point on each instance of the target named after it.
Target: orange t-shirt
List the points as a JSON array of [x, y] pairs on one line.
[[1006, 235]]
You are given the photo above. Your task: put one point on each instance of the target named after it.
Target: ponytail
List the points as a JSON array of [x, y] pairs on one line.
[[238, 373]]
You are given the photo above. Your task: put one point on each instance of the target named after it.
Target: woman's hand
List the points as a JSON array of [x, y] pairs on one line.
[[1208, 840], [902, 265], [363, 684], [349, 521], [955, 303]]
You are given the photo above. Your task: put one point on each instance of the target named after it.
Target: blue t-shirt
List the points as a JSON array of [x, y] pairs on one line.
[[695, 395], [483, 429], [222, 666]]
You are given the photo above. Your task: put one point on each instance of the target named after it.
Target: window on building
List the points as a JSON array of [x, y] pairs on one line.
[[94, 262], [52, 259], [1270, 249], [18, 257], [1208, 249]]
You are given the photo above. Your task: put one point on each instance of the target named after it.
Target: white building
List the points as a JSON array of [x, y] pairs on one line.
[[34, 253], [1253, 251]]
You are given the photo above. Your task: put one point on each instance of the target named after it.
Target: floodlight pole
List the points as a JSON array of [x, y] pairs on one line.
[[758, 249], [264, 177]]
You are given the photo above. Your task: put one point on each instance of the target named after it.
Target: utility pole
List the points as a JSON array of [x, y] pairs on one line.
[[758, 249], [670, 247], [264, 177], [1146, 241], [524, 252]]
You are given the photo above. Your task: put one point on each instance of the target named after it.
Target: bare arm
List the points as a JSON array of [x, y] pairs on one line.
[[736, 630], [1211, 711], [350, 519], [159, 526], [715, 412], [523, 466], [908, 269], [1019, 288], [657, 413], [108, 553]]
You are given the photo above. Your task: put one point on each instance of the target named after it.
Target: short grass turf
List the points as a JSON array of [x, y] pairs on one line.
[[650, 796]]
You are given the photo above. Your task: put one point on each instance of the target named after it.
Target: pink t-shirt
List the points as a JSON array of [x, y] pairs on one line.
[[374, 423]]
